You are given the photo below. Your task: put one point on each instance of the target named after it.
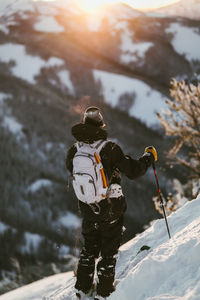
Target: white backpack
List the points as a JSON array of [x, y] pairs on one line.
[[89, 181]]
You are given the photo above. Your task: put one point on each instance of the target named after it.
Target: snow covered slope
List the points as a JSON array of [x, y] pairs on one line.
[[116, 87], [181, 36], [184, 8], [169, 270]]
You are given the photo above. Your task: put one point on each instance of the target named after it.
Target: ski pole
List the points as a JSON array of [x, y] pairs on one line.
[[160, 197]]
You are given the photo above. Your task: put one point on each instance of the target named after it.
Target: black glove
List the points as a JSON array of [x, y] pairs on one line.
[[150, 155], [148, 158]]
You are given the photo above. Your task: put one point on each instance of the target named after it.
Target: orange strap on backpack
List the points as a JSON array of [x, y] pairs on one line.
[[101, 171]]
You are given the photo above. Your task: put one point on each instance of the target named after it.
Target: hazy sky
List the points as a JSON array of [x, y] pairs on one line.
[[93, 5], [149, 3]]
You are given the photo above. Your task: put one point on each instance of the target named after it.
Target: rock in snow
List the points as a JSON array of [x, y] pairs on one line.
[[170, 270]]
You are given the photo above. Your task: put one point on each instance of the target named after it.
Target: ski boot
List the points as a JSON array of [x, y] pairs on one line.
[[82, 296]]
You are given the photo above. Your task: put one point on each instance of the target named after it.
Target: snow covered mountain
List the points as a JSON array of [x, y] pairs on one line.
[[119, 38], [169, 270], [184, 8], [51, 57]]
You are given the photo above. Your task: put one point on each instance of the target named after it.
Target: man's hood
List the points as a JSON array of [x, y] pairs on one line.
[[88, 133]]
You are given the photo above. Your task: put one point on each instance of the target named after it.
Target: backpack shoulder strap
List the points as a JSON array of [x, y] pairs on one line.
[[100, 145], [78, 145]]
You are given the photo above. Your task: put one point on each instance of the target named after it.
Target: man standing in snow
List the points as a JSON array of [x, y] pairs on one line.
[[95, 164]]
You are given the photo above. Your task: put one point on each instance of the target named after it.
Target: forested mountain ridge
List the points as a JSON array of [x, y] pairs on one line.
[[50, 59]]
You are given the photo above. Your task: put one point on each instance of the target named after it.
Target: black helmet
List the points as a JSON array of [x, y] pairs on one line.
[[93, 115]]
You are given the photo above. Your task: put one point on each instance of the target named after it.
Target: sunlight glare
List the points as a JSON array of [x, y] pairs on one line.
[[149, 4], [92, 6]]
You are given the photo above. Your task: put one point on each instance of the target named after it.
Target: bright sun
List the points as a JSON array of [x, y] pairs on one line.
[[91, 6]]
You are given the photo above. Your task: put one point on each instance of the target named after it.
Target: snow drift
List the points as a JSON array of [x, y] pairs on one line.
[[169, 270]]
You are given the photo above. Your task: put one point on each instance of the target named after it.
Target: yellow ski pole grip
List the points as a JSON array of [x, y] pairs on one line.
[[153, 151]]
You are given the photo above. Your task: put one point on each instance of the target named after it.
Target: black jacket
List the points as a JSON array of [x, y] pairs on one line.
[[113, 159]]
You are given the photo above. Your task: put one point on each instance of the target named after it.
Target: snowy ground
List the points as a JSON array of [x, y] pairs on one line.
[[25, 66], [10, 7], [64, 76], [184, 8], [32, 242], [38, 184], [131, 50], [170, 270], [147, 101], [3, 227], [186, 41], [69, 220], [48, 24], [12, 125], [7, 120], [38, 289]]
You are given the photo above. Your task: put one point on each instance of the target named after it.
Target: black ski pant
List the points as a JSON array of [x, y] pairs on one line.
[[102, 237]]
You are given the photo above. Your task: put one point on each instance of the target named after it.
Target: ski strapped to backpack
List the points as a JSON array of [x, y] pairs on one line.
[[89, 180]]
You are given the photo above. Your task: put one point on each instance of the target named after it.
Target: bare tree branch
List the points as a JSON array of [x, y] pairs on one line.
[[182, 120]]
